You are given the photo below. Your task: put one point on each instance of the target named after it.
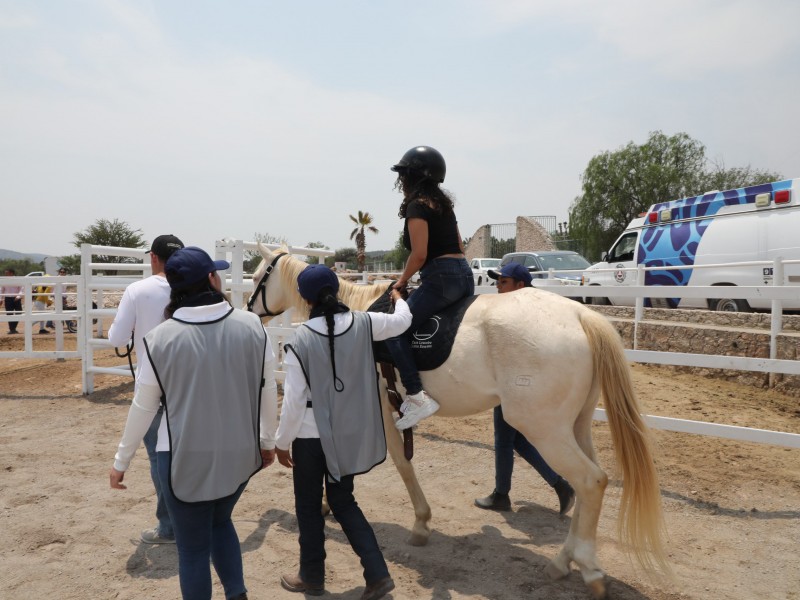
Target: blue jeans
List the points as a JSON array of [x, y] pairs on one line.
[[150, 441], [506, 440], [443, 281], [309, 473], [203, 530]]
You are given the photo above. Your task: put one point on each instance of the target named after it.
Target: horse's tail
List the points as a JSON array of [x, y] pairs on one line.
[[641, 522]]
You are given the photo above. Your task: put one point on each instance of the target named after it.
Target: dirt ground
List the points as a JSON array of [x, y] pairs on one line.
[[732, 508]]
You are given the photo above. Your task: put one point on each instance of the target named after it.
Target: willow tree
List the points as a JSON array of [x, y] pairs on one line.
[[363, 224], [618, 185]]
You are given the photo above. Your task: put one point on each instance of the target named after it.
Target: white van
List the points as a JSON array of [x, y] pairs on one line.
[[757, 223]]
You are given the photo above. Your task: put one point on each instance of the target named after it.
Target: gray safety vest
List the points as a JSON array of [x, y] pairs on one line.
[[349, 421], [211, 375]]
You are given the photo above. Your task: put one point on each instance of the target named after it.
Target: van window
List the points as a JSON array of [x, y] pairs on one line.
[[624, 249]]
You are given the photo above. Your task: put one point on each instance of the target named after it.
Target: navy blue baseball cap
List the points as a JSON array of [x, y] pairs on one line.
[[513, 270], [313, 279], [191, 265]]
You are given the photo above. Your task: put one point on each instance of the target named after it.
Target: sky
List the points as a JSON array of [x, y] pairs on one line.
[[233, 119]]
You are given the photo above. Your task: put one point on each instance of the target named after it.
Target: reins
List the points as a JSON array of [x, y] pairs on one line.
[[262, 288]]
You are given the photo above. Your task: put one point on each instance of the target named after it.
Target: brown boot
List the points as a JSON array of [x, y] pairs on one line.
[[293, 583], [378, 589]]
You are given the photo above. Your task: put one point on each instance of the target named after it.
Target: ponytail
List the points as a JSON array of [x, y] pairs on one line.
[[329, 305]]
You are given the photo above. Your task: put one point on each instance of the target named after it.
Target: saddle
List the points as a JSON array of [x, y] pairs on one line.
[[431, 342]]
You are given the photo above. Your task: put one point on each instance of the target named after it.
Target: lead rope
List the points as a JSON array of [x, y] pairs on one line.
[[387, 370], [127, 354]]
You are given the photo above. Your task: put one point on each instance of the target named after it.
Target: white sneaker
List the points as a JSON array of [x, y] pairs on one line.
[[415, 408]]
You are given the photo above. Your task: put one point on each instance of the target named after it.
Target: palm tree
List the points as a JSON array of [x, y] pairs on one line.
[[364, 221]]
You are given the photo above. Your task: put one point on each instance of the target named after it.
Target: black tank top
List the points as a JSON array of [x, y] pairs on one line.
[[442, 230]]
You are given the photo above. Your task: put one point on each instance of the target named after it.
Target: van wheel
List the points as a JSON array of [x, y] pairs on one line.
[[730, 305], [596, 301]]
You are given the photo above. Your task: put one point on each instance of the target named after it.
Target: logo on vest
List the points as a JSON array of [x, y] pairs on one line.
[[422, 338]]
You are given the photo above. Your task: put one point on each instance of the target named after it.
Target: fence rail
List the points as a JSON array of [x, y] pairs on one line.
[[92, 284]]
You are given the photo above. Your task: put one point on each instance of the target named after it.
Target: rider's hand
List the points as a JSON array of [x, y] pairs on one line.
[[400, 285]]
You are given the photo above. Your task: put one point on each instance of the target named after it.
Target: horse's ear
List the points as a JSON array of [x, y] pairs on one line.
[[263, 250], [284, 249]]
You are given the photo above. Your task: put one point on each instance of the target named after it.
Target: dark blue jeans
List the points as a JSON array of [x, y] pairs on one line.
[[506, 440], [309, 473], [203, 530], [150, 442], [443, 281]]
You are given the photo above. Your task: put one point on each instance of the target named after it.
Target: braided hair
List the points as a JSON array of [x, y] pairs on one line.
[[329, 305]]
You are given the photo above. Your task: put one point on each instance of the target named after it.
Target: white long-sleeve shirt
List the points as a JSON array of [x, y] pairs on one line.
[[147, 398], [140, 310], [297, 421]]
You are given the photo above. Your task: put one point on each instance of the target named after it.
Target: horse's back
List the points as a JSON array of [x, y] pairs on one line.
[[515, 346]]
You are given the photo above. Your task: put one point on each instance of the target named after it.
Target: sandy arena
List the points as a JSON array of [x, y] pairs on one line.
[[732, 509]]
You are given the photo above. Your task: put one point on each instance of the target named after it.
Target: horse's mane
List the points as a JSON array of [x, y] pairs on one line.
[[357, 297]]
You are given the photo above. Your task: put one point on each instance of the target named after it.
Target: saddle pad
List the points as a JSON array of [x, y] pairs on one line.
[[433, 340]]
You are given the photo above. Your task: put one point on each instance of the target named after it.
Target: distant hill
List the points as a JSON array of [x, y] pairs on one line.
[[32, 256]]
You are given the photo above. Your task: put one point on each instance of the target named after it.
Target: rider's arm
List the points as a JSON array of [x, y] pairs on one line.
[[418, 233], [145, 405], [124, 322], [269, 400], [385, 326]]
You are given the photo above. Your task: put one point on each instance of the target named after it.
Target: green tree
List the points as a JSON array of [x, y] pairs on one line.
[[314, 260], [363, 224], [399, 254], [346, 255], [619, 185], [103, 232], [20, 266], [720, 178]]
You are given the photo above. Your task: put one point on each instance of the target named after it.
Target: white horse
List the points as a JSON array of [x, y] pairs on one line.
[[545, 359]]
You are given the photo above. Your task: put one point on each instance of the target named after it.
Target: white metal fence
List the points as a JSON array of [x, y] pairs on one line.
[[92, 284]]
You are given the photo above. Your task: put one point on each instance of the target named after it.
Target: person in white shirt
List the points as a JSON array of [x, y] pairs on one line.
[[331, 419], [140, 310], [211, 365], [12, 299]]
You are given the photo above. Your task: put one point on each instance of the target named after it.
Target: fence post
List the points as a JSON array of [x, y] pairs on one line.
[[776, 322], [638, 314]]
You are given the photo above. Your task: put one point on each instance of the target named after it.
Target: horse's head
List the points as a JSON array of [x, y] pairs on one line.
[[275, 283]]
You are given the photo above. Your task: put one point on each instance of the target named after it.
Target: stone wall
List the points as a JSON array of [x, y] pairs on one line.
[[704, 332], [479, 244], [531, 236]]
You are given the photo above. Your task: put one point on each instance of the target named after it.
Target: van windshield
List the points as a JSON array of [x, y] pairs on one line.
[[564, 262]]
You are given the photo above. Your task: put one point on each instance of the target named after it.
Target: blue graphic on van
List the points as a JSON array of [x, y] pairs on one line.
[[675, 242]]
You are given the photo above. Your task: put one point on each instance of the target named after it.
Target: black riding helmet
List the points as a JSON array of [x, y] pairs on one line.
[[424, 159]]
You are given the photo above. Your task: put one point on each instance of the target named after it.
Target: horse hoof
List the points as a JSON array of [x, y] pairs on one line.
[[554, 571], [417, 539], [598, 589]]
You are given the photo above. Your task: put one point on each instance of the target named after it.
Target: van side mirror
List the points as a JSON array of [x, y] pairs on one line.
[[604, 257]]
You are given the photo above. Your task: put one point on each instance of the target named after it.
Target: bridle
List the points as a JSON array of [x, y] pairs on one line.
[[262, 288]]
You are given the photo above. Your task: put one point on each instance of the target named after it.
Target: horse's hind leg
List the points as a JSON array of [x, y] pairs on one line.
[[420, 532], [589, 482]]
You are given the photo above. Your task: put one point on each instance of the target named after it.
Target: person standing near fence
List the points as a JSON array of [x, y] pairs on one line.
[[210, 363], [511, 277], [42, 300], [12, 300], [140, 310]]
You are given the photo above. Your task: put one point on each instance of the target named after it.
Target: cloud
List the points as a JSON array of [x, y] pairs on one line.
[[683, 39]]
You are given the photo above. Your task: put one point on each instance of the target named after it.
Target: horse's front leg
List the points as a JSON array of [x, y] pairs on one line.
[[420, 532]]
